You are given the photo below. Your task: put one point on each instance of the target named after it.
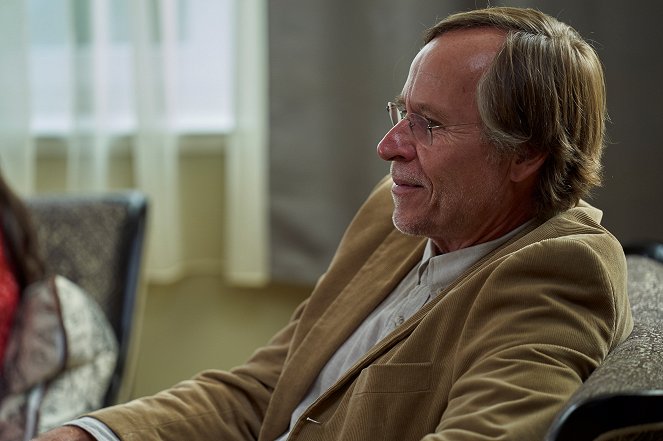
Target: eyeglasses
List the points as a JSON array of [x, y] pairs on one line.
[[421, 127]]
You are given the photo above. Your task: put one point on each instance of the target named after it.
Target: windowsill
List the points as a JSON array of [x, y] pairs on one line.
[[189, 123], [192, 143]]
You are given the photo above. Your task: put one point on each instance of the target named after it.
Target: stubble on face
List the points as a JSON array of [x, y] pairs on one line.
[[442, 214]]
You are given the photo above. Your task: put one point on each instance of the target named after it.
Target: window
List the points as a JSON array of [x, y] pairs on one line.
[[81, 63]]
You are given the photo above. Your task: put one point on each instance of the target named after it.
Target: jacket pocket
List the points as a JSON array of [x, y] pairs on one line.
[[394, 378]]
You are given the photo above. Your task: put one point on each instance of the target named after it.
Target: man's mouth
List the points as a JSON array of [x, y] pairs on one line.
[[405, 181], [403, 185]]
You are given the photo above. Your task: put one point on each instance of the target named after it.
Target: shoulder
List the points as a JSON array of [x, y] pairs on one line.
[[574, 237], [571, 269]]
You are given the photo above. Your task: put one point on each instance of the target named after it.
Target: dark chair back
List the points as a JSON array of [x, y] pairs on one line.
[[96, 240]]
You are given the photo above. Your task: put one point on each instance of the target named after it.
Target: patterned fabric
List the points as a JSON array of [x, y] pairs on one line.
[[635, 365], [61, 356], [86, 241], [96, 240], [91, 356]]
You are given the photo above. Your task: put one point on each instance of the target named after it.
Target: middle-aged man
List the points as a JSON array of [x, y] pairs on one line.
[[473, 292]]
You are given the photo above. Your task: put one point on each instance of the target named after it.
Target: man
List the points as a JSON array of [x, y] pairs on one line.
[[473, 292]]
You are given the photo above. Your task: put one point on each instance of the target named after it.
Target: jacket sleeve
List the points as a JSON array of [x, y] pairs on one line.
[[547, 316], [213, 405], [230, 406]]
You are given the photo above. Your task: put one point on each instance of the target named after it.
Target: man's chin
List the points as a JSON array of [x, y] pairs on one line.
[[407, 226]]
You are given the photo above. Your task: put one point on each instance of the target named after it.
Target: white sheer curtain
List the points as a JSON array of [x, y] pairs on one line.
[[247, 172], [16, 146], [96, 73]]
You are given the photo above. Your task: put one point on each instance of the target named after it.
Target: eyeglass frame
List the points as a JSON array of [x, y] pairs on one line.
[[398, 114]]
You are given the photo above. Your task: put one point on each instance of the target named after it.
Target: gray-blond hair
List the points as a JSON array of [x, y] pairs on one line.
[[545, 91]]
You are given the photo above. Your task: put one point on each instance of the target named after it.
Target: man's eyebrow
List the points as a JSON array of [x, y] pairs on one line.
[[430, 109], [425, 109]]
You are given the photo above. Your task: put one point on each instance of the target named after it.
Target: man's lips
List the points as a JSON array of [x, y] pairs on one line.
[[405, 179], [404, 185]]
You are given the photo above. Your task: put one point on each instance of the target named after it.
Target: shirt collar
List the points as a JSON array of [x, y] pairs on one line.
[[439, 270]]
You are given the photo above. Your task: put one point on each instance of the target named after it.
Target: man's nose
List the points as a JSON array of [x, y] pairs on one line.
[[398, 144]]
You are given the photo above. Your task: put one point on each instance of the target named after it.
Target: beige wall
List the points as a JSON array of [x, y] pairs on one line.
[[201, 322]]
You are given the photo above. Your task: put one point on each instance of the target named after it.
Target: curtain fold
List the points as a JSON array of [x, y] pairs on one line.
[[16, 142], [156, 141], [88, 142], [247, 170]]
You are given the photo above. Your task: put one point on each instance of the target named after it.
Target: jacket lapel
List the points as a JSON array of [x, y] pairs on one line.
[[371, 284], [404, 331]]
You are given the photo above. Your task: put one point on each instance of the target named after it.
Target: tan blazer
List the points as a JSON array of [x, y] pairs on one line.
[[492, 357]]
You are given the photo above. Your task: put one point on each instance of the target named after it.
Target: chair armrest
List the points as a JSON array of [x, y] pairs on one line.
[[627, 388], [591, 418]]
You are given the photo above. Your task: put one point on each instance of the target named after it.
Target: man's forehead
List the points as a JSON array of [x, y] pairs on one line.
[[466, 53], [476, 46]]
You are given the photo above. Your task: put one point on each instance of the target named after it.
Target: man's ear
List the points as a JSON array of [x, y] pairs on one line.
[[526, 164]]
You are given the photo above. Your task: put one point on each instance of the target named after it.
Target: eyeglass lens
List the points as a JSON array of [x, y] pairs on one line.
[[418, 124]]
